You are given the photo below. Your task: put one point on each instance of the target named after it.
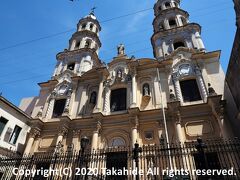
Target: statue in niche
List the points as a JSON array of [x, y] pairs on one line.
[[119, 73], [62, 90], [121, 49], [146, 91]]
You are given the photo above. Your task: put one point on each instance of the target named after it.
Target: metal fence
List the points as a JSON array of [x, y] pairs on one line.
[[213, 159]]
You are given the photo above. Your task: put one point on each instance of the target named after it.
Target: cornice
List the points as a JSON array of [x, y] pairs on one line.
[[67, 53], [89, 19], [165, 33], [86, 33], [169, 10]]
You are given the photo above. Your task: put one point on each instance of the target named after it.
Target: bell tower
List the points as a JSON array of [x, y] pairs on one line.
[[173, 30], [87, 35], [82, 53]]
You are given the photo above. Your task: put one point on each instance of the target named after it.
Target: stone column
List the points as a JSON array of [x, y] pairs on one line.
[[36, 144], [73, 45], [62, 131], [134, 135], [157, 93], [134, 124], [221, 119], [99, 99], [77, 68], [199, 40], [95, 137], [203, 88], [50, 108], [76, 139], [106, 100], [33, 134], [179, 128], [178, 90], [166, 24], [134, 90], [66, 108]]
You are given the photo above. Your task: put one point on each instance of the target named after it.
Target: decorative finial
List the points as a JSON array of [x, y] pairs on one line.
[[211, 91], [121, 49]]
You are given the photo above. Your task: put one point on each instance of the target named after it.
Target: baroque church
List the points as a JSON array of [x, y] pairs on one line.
[[175, 97]]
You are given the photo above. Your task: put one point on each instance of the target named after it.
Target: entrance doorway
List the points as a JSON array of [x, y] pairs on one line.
[[118, 161]]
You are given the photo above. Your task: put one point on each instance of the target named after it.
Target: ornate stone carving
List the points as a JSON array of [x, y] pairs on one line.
[[220, 110], [107, 99], [134, 121], [39, 114], [34, 133], [76, 132], [177, 116], [62, 131], [211, 91], [59, 148], [172, 96]]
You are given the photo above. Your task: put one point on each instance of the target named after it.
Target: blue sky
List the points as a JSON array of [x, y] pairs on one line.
[[22, 67]]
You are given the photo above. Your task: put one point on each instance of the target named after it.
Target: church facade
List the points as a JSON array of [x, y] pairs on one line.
[[175, 97]]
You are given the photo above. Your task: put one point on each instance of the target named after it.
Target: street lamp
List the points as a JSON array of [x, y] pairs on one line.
[[200, 146], [84, 143], [162, 140], [136, 152]]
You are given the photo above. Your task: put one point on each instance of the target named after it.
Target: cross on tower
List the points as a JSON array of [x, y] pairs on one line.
[[93, 9]]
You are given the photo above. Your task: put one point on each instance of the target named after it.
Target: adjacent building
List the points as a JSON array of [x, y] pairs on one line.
[[175, 97], [232, 77], [14, 128]]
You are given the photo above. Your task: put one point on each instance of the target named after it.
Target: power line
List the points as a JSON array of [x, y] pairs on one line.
[[148, 28], [42, 75], [108, 51], [70, 30], [34, 40]]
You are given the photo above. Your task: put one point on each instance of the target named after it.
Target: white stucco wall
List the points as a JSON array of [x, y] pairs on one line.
[[14, 118]]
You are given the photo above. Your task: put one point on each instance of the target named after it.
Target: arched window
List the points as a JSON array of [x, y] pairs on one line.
[[91, 27], [178, 44], [190, 90], [88, 44], [184, 21], [172, 23], [71, 66], [77, 45], [93, 97], [118, 99], [167, 5], [116, 142], [119, 73], [146, 90], [59, 106], [84, 26]]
